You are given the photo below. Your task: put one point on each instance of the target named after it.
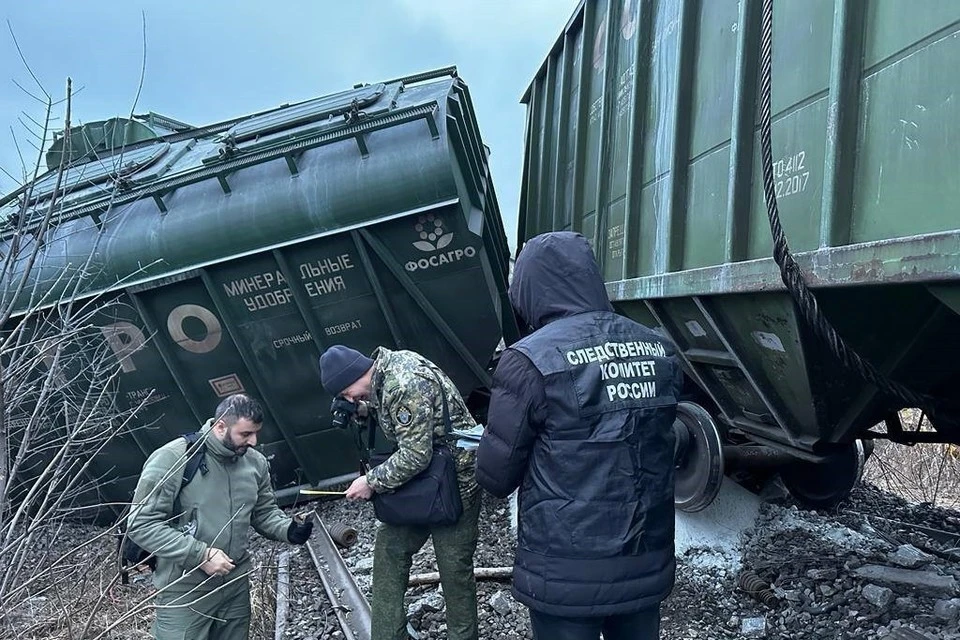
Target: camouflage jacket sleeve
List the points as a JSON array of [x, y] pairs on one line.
[[151, 521], [409, 408], [267, 518]]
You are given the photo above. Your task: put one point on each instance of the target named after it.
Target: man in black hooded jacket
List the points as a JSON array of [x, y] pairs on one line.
[[581, 419]]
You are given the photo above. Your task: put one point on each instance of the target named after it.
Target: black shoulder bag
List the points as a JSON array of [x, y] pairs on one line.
[[430, 498]]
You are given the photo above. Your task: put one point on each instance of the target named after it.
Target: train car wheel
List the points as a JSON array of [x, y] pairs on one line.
[[823, 485], [699, 467]]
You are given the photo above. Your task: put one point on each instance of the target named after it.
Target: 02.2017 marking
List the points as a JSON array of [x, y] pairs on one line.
[[791, 174], [792, 185]]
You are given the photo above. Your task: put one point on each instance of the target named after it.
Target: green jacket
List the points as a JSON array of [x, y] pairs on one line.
[[216, 509], [407, 405]]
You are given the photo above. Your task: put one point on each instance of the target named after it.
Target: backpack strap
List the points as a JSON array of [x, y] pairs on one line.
[[447, 423], [371, 435], [197, 461]]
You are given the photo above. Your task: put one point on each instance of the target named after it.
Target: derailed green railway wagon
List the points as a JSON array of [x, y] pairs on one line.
[[239, 250], [643, 134]]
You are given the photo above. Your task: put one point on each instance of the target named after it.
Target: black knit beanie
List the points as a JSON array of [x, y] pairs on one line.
[[340, 367]]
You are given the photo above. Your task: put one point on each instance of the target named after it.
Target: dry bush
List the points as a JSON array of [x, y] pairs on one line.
[[263, 591], [919, 473], [58, 411], [58, 382]]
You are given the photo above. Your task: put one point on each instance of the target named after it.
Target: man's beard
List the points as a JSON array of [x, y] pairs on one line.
[[233, 446]]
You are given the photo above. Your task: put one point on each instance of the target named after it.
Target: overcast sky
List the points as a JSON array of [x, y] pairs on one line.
[[212, 60]]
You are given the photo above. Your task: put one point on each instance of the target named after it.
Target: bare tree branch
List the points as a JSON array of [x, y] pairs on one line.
[[27, 91], [23, 162], [46, 220], [25, 63], [29, 130], [59, 404], [15, 179]]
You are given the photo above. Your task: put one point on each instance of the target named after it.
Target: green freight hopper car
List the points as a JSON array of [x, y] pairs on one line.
[[236, 252], [643, 134]]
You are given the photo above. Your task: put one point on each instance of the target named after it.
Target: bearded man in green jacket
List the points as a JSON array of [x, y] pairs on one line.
[[199, 532]]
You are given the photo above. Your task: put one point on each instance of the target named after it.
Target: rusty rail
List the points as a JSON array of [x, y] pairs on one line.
[[349, 604], [283, 594]]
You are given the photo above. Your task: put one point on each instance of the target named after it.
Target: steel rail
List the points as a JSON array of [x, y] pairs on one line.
[[349, 604]]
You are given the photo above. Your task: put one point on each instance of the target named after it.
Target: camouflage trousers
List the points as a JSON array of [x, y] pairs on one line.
[[221, 614], [393, 556]]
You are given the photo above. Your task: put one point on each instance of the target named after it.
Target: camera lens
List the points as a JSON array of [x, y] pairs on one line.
[[342, 409]]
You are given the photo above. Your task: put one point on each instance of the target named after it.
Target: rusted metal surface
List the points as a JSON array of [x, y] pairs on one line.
[[752, 584], [920, 259], [351, 607], [755, 456], [751, 352], [344, 535]]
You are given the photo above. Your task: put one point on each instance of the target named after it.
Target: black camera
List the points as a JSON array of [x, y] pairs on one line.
[[343, 410]]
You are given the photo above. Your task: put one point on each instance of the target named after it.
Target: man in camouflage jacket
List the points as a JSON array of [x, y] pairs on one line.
[[402, 391]]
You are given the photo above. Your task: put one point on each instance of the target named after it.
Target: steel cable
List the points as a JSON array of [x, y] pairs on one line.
[[790, 271]]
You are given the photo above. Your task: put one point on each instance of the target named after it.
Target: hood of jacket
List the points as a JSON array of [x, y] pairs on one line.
[[555, 276]]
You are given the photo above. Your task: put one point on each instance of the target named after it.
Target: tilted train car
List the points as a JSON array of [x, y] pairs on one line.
[[237, 251], [643, 134]]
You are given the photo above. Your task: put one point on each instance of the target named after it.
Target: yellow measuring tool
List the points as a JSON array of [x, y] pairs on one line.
[[316, 492]]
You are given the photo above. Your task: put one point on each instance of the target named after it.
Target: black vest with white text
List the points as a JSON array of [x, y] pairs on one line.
[[596, 504]]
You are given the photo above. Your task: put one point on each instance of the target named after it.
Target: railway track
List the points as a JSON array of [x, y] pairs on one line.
[[893, 530], [348, 603], [344, 598]]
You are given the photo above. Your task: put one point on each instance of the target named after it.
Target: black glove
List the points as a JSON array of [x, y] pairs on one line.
[[299, 532]]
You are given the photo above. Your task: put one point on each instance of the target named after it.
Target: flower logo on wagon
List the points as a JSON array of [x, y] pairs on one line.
[[432, 236]]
